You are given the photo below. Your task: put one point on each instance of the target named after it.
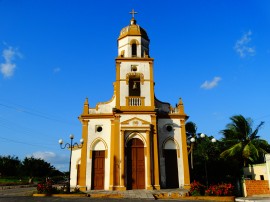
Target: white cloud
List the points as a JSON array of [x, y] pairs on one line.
[[44, 155], [7, 68], [211, 84], [242, 46], [60, 162]]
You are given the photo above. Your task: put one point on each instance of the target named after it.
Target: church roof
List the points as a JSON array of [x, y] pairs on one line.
[[133, 30]]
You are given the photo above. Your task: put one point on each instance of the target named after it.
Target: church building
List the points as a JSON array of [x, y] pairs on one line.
[[133, 141]]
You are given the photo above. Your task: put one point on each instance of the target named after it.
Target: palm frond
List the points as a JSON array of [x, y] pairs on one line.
[[243, 143], [246, 152], [232, 151], [242, 126], [253, 135], [261, 145]]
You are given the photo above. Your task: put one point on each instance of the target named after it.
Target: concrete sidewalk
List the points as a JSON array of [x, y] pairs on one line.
[[138, 194], [262, 197], [168, 193]]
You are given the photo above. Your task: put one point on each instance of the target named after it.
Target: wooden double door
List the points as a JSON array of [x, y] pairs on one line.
[[135, 164], [98, 170]]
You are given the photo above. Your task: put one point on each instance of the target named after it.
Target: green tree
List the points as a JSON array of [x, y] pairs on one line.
[[9, 165], [203, 155], [241, 141], [206, 166], [33, 167], [191, 129]]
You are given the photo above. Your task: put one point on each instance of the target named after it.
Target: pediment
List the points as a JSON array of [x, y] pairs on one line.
[[135, 122]]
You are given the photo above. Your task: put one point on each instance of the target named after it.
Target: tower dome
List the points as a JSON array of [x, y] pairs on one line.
[[133, 29]]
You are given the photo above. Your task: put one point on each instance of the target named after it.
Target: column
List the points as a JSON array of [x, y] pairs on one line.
[[84, 156], [148, 157], [122, 161], [156, 158], [115, 140], [155, 155], [185, 155], [111, 153]]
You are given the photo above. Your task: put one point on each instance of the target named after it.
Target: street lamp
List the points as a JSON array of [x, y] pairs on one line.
[[70, 146]]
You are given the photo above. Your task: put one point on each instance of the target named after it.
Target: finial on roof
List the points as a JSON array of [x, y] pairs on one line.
[[133, 21], [180, 101], [86, 107], [86, 101], [180, 106]]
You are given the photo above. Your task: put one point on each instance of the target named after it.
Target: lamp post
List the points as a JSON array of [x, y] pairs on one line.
[[70, 146], [192, 142]]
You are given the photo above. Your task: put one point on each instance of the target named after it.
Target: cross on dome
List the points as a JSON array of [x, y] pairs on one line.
[[133, 13]]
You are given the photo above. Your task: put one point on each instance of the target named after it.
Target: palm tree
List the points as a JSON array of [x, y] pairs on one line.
[[191, 129], [242, 141]]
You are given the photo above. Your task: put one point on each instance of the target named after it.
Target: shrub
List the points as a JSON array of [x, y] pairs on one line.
[[220, 190], [46, 188], [196, 189], [224, 189]]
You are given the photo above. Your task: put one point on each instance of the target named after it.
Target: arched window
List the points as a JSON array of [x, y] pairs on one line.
[[134, 50], [134, 87]]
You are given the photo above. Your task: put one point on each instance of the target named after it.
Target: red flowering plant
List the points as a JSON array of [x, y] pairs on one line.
[[46, 188], [220, 190], [196, 189]]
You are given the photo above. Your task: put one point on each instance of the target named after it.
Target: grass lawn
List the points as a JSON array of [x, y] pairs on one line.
[[13, 181]]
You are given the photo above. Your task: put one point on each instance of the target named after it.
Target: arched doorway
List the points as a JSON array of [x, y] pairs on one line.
[[98, 165], [171, 168], [135, 164], [98, 168]]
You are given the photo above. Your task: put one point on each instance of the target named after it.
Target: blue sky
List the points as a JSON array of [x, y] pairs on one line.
[[214, 54]]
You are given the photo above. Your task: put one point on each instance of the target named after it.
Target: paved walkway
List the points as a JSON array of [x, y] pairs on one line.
[[129, 194], [149, 194], [139, 194], [262, 197]]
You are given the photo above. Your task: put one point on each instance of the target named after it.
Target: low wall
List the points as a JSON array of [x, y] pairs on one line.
[[256, 187]]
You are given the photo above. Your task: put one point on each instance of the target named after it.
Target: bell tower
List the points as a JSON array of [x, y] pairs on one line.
[[134, 84]]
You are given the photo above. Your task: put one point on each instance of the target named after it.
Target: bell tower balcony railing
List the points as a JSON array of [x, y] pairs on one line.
[[135, 101]]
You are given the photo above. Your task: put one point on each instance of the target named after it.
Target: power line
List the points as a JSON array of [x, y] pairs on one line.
[[31, 112], [25, 143], [14, 126]]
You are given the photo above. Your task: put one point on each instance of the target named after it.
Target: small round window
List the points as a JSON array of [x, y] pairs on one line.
[[99, 129], [169, 128]]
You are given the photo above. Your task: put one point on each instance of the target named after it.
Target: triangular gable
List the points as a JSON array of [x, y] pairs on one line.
[[135, 122]]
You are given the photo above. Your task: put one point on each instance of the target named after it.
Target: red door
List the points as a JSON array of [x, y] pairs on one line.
[[135, 164], [98, 170]]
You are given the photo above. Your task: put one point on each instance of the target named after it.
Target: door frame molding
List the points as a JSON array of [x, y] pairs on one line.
[[127, 159]]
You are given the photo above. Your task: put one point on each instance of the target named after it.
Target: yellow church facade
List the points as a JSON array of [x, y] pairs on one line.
[[133, 141]]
